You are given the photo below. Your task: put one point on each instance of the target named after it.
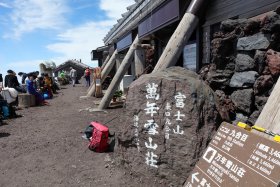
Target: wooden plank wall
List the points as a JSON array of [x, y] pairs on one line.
[[220, 10]]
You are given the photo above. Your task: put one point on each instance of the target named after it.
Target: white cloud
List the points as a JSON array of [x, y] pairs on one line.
[[114, 8], [29, 15], [77, 43], [5, 5]]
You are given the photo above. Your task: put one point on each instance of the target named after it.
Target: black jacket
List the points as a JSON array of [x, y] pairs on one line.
[[11, 81], [24, 76]]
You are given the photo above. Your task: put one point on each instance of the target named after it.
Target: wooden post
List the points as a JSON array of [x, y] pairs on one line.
[[105, 62], [104, 73], [181, 35], [270, 116], [139, 61], [105, 102]]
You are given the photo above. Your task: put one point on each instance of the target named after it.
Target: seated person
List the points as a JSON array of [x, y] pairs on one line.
[[11, 81], [48, 85], [40, 83], [31, 90]]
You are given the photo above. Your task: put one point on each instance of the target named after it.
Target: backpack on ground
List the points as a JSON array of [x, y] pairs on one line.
[[99, 139]]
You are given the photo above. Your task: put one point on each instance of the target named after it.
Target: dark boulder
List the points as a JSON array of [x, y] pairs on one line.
[[263, 84], [260, 101], [275, 41], [171, 116], [243, 100], [270, 23], [230, 24], [277, 10]]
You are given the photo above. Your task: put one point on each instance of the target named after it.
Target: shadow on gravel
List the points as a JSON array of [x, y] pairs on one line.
[[4, 134]]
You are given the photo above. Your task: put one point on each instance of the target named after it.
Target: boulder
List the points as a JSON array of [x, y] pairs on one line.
[[219, 80], [223, 47], [243, 100], [170, 118], [248, 26], [225, 106], [263, 84], [253, 117], [260, 101], [270, 22], [230, 24], [277, 10], [273, 62], [244, 62], [260, 60], [275, 41], [257, 41], [243, 79]]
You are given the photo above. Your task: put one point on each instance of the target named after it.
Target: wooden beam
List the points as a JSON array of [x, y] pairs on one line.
[[105, 102], [105, 62], [139, 61], [270, 116], [179, 38], [104, 73]]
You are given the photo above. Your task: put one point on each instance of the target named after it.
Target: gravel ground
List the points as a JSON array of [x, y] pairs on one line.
[[46, 148]]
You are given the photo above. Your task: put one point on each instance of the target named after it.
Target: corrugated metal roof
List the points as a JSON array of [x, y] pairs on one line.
[[135, 13], [71, 62]]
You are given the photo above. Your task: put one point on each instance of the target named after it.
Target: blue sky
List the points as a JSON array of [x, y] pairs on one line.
[[34, 31]]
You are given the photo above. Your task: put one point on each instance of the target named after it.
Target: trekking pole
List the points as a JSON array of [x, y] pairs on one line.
[[111, 120]]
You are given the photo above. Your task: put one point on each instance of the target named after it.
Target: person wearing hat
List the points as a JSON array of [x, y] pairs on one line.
[[23, 77], [11, 81]]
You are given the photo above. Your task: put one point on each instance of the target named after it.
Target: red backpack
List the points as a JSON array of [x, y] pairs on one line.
[[99, 138]]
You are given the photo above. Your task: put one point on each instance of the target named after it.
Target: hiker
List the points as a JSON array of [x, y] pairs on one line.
[[48, 85], [1, 82], [73, 76], [31, 90], [11, 81], [23, 77], [87, 76], [39, 81]]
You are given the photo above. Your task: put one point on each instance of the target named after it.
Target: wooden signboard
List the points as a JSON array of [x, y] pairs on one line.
[[236, 157]]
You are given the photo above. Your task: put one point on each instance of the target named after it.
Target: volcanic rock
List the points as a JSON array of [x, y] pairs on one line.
[[244, 62], [257, 41], [263, 84], [260, 60], [171, 117], [243, 79], [243, 100], [273, 62]]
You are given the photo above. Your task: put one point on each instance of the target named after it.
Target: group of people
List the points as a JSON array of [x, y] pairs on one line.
[[73, 76], [42, 86]]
